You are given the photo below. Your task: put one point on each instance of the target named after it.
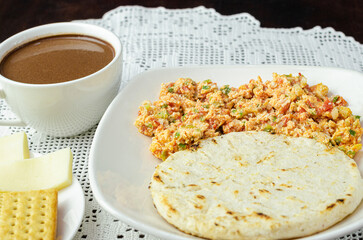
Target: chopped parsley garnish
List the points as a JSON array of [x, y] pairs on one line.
[[350, 153], [342, 148], [177, 134], [352, 132], [335, 99], [163, 114], [274, 118], [357, 117], [226, 89], [206, 87], [182, 146], [338, 140], [171, 89]]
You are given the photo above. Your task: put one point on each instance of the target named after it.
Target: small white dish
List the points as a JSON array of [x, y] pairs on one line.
[[121, 166], [71, 205]]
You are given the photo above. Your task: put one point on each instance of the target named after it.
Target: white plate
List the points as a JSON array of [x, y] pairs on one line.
[[120, 164], [71, 206]]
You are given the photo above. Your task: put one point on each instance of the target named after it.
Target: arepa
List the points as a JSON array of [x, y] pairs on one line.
[[255, 185]]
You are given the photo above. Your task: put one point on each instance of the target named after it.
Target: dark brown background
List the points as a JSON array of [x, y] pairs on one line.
[[342, 15]]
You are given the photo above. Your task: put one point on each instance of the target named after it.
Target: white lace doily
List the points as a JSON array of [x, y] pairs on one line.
[[156, 37]]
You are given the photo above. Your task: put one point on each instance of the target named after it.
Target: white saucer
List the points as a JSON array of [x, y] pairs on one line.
[[71, 206]]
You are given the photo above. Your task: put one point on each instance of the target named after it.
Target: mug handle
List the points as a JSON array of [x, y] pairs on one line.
[[16, 123]]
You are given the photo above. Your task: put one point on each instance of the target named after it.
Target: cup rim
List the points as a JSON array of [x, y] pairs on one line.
[[116, 45]]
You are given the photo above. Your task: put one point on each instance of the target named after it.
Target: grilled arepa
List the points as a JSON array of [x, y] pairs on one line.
[[255, 185]]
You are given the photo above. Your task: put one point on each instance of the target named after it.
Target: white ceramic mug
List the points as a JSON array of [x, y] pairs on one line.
[[66, 108]]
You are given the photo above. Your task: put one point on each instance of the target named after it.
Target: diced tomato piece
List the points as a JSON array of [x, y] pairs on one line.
[[185, 88], [302, 110], [342, 101], [284, 108], [327, 105], [309, 103], [284, 121]]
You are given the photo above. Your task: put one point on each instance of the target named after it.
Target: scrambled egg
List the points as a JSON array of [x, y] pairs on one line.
[[188, 111]]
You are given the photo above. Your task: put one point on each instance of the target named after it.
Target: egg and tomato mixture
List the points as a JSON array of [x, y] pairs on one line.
[[189, 111]]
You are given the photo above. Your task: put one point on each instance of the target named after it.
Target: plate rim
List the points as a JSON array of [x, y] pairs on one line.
[[162, 233], [81, 208]]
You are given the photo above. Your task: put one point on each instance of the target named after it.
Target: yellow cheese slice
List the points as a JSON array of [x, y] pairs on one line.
[[53, 170], [14, 147]]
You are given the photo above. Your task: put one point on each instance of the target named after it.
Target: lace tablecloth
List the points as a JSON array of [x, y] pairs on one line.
[[156, 37]]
